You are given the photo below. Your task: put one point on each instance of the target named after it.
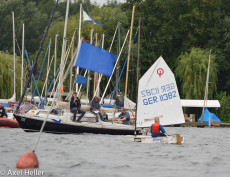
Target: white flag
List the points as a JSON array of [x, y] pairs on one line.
[[87, 18]]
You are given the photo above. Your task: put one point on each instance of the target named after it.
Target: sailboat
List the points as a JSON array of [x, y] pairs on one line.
[[158, 96], [59, 120], [206, 116]]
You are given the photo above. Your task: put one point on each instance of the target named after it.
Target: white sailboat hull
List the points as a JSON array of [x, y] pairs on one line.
[[172, 139]]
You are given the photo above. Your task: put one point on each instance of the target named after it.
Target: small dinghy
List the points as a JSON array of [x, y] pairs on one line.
[[171, 139], [6, 122], [158, 96]]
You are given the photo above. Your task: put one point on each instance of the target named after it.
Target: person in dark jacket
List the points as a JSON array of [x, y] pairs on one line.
[[3, 113], [75, 107], [118, 102], [95, 108], [156, 129]]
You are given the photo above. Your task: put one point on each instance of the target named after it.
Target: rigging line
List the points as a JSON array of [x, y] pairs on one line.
[[40, 73], [46, 80], [94, 36], [100, 77], [33, 77], [55, 82], [124, 66], [115, 66], [51, 84], [64, 64], [55, 96], [36, 59], [99, 42], [18, 46]]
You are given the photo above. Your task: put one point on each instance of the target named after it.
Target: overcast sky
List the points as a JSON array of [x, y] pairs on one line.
[[101, 2]]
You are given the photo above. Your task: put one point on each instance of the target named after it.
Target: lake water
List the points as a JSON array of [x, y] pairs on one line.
[[205, 153]]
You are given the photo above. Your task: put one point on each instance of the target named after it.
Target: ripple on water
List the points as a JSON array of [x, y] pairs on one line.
[[205, 153]]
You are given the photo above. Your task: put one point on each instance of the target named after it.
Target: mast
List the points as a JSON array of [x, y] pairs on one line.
[[55, 54], [118, 51], [138, 58], [130, 41], [88, 77], [100, 75], [71, 69], [206, 88], [79, 39], [95, 77], [63, 44], [48, 66], [14, 54], [23, 33]]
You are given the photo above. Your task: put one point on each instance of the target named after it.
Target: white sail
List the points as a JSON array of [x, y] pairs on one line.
[[5, 101], [129, 104], [158, 96]]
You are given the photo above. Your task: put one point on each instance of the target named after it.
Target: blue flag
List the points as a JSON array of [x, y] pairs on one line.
[[81, 79], [87, 18], [95, 59]]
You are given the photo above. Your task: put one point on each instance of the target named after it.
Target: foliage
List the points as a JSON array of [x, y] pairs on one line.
[[7, 75], [192, 71], [174, 29], [225, 106], [28, 13]]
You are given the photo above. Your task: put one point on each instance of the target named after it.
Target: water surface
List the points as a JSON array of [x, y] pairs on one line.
[[205, 153]]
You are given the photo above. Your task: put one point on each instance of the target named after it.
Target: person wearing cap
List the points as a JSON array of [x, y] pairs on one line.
[[75, 107], [156, 129]]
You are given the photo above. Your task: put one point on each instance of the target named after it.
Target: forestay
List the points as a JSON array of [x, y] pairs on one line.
[[158, 96]]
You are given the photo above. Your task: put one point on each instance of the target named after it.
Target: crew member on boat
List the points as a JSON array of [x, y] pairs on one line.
[[118, 102], [95, 108], [157, 129], [123, 118], [75, 107], [2, 112]]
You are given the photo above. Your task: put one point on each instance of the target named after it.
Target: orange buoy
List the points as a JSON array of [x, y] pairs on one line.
[[28, 160], [62, 89]]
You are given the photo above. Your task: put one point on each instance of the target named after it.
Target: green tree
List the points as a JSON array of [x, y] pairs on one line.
[[224, 112], [7, 75], [192, 72]]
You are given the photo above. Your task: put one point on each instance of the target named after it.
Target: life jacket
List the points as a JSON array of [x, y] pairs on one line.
[[156, 128]]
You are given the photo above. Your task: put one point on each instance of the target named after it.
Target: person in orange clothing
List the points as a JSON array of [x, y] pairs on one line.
[[157, 129]]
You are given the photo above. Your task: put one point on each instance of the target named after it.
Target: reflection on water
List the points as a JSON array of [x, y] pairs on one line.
[[205, 153]]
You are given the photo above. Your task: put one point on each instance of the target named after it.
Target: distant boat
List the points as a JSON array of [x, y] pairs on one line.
[[209, 118], [6, 122], [9, 121], [158, 96]]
